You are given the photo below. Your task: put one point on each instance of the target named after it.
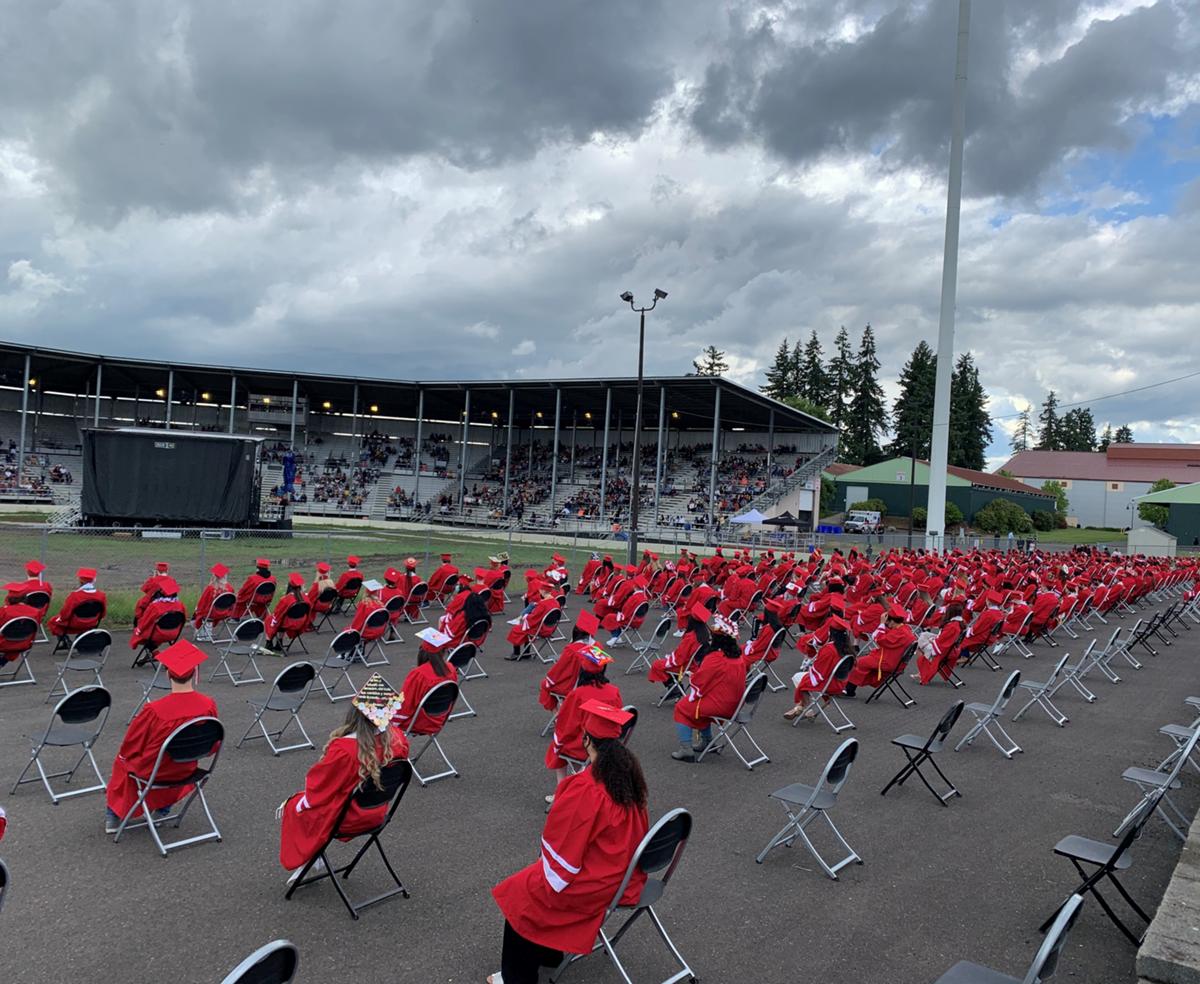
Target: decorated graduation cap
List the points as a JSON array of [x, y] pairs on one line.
[[296, 579], [86, 574], [556, 576], [503, 555], [410, 563], [436, 640], [493, 560], [601, 720], [219, 570], [724, 626], [378, 702], [588, 622], [391, 575], [181, 658], [372, 586], [595, 658], [34, 568]]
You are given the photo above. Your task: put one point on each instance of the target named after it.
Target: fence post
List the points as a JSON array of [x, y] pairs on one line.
[[329, 548], [45, 545], [203, 550], [428, 542]]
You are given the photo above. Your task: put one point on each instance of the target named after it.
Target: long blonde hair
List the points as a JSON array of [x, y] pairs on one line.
[[374, 748]]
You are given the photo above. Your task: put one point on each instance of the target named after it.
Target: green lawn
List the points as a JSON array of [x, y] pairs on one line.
[[1088, 536]]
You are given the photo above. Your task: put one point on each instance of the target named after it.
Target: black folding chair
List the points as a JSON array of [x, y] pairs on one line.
[[449, 590], [220, 613], [477, 634], [189, 744], [262, 597], [339, 657], [417, 597], [4, 882], [296, 611], [41, 601], [893, 683], [87, 611], [22, 631], [394, 779], [274, 963], [1045, 961], [1105, 860], [245, 640], [347, 596], [395, 610], [288, 694], [737, 724], [461, 658], [88, 654], [375, 622], [918, 752], [660, 851], [437, 701], [326, 600], [76, 722], [169, 624]]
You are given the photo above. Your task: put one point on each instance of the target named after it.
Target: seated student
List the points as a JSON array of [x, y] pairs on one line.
[[528, 626], [322, 582], [716, 687], [627, 618], [246, 593], [165, 599], [702, 594], [150, 588], [695, 637], [431, 669], [65, 622], [217, 585], [561, 678], [984, 624], [354, 755], [1046, 605], [406, 582], [557, 904], [18, 590], [557, 572], [11, 649], [812, 681], [277, 622], [938, 651], [891, 642], [372, 601], [148, 730], [438, 579], [591, 685], [348, 581], [600, 577], [391, 589], [589, 571], [762, 646]]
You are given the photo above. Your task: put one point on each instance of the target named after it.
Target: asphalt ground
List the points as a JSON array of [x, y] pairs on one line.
[[971, 880]]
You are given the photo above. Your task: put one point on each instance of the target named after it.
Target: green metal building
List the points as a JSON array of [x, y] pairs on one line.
[[1183, 511]]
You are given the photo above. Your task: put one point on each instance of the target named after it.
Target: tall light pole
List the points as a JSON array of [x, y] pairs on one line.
[[635, 488]]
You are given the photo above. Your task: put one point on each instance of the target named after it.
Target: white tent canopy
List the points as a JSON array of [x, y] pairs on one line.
[[753, 516]]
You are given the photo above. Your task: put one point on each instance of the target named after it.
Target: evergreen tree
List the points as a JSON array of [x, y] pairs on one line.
[[1049, 436], [812, 382], [1124, 435], [840, 380], [711, 362], [970, 423], [1106, 438], [795, 383], [1077, 430], [780, 374], [1023, 435], [867, 417], [912, 413]]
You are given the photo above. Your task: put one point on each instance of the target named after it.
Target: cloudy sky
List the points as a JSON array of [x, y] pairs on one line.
[[463, 188]]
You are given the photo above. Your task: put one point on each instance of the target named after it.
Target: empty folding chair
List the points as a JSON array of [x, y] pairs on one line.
[[1156, 784], [1180, 734], [543, 638], [168, 627], [19, 636], [1074, 674], [288, 694], [374, 629], [1098, 657], [244, 641], [274, 963], [394, 779], [461, 658], [76, 722], [737, 724], [918, 752], [219, 614], [88, 654], [1104, 860], [647, 650], [438, 701], [1045, 961], [338, 659], [1041, 693], [893, 683], [825, 702], [477, 634], [189, 744], [987, 719], [660, 851], [803, 804]]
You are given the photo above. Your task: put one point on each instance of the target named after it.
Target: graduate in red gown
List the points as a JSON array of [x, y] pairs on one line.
[[529, 624], [162, 570], [811, 681], [407, 581], [18, 590], [278, 623], [763, 645], [165, 599], [695, 637], [392, 589], [262, 575], [437, 580], [627, 617], [585, 576], [354, 755], [65, 622], [348, 582], [218, 584], [322, 582], [370, 603], [560, 679], [151, 727], [556, 905], [938, 653], [716, 687], [985, 624], [738, 590], [891, 642], [431, 669], [11, 649], [591, 685]]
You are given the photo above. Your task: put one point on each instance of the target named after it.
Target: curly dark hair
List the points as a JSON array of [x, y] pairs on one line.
[[597, 679], [619, 772], [727, 645]]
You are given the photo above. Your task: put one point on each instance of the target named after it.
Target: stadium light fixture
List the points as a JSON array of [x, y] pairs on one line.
[[587, 415], [326, 405], [206, 396], [636, 485], [161, 393], [374, 408], [32, 383], [674, 414], [266, 399]]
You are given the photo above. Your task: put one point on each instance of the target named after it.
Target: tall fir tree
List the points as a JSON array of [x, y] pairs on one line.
[[912, 413], [794, 383], [1077, 430], [867, 416], [1049, 437], [711, 362], [970, 423], [1106, 438], [812, 383], [780, 374], [840, 380], [1124, 435], [1022, 439]]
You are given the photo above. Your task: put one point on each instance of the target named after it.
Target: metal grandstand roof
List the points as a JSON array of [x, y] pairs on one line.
[[689, 398]]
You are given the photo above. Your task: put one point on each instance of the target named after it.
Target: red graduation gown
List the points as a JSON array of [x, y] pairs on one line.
[[361, 614], [65, 623], [624, 618], [207, 597], [521, 633], [821, 669], [675, 662], [437, 580], [943, 653], [420, 680], [587, 843], [139, 748], [246, 592], [568, 726], [147, 625], [877, 664], [19, 589], [715, 691], [560, 678], [309, 815], [10, 649]]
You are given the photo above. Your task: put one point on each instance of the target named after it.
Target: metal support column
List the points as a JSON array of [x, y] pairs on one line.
[[24, 415], [770, 443], [512, 404], [232, 401], [295, 398], [712, 474], [462, 463], [574, 435], [532, 442], [417, 448], [99, 382], [660, 451], [354, 414], [554, 450], [170, 396], [604, 454]]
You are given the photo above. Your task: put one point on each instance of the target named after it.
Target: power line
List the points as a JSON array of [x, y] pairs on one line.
[[1109, 396]]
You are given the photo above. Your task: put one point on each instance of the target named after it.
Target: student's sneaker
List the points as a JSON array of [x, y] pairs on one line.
[[111, 822], [316, 869], [678, 633]]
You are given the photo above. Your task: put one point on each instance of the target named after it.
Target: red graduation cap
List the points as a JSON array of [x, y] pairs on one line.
[[296, 579], [168, 585], [352, 560], [895, 611], [219, 570], [322, 567], [262, 562], [447, 557], [559, 559], [391, 575], [587, 621], [411, 563], [995, 597], [837, 602], [162, 567], [182, 658], [836, 622], [86, 574], [601, 720], [699, 611], [34, 568]]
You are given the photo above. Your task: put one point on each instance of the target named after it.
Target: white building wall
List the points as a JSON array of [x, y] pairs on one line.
[[1095, 503]]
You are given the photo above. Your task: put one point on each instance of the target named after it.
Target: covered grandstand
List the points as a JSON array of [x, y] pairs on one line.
[[536, 452]]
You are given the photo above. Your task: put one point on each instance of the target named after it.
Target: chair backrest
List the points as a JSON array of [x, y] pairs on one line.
[[193, 740], [904, 658], [170, 621], [248, 630], [1058, 668], [377, 619], [20, 629], [460, 657], [393, 778], [327, 596], [264, 592], [949, 719], [4, 879], [438, 701], [661, 631], [478, 630], [837, 769], [844, 668], [1045, 962], [1006, 692], [88, 610], [660, 850], [419, 591], [344, 642], [36, 599], [351, 587], [84, 705], [1183, 754], [222, 603], [628, 726], [274, 963], [450, 584], [394, 604], [92, 643], [298, 611], [295, 678], [551, 618], [750, 697]]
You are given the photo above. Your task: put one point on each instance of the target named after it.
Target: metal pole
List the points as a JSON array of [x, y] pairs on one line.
[[462, 465], [354, 415], [712, 473], [635, 489], [620, 427], [574, 435], [940, 444], [170, 396], [659, 452], [417, 457], [770, 442], [295, 399], [554, 449], [532, 441], [912, 481], [24, 414], [512, 404], [99, 381], [604, 454]]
